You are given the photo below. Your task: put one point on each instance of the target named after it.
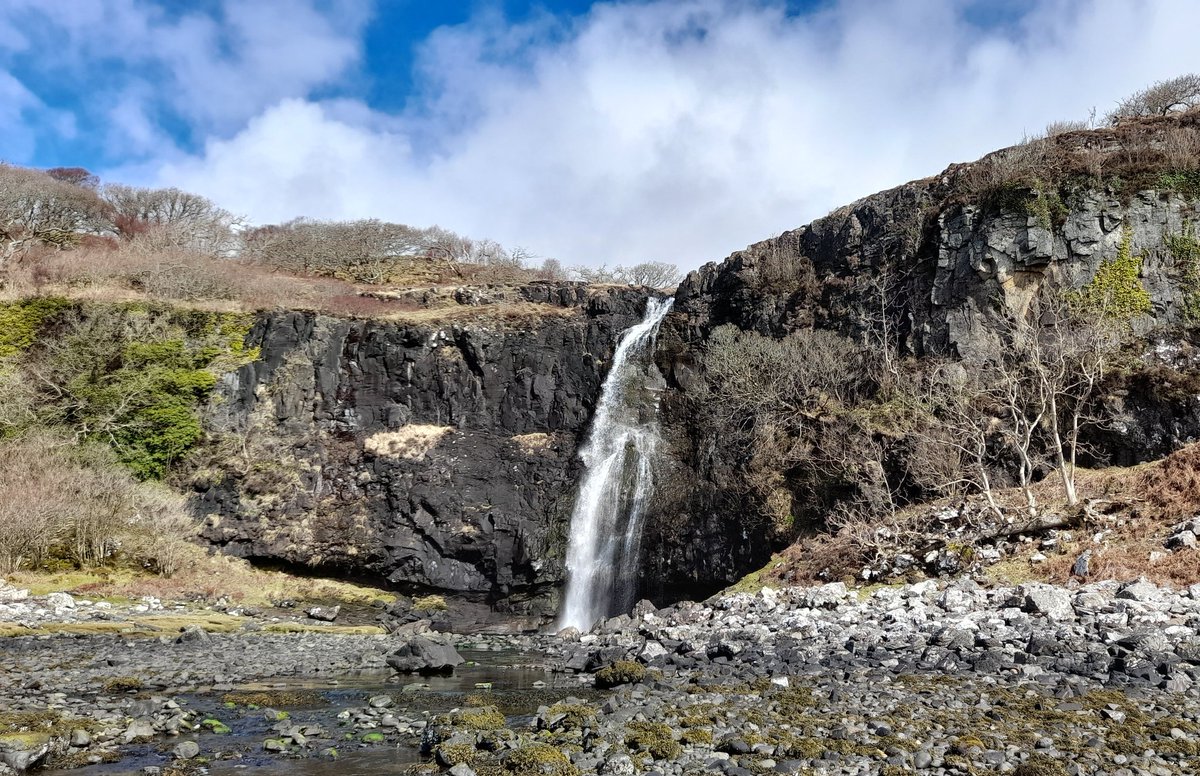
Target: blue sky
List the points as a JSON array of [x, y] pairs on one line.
[[594, 132]]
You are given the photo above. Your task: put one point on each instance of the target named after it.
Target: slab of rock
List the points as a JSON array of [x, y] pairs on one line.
[[139, 730], [1053, 602], [424, 656], [324, 613], [185, 750], [1141, 590]]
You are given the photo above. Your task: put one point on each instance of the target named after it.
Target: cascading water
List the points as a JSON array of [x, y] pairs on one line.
[[606, 525]]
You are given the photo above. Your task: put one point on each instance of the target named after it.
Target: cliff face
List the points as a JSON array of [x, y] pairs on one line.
[[927, 271], [441, 457], [945, 267]]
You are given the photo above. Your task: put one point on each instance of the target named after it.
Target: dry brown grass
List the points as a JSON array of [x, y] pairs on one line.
[[1135, 152], [1138, 507], [208, 579], [112, 271], [535, 443], [508, 314], [411, 443]]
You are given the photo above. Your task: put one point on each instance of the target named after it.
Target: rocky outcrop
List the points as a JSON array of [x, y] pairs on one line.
[[441, 454], [930, 268], [437, 455]]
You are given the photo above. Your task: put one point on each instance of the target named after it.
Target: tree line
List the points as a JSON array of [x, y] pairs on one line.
[[67, 207]]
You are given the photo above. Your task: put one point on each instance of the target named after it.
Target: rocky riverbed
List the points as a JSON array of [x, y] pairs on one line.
[[940, 678]]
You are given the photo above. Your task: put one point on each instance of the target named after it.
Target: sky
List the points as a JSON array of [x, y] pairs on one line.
[[592, 132]]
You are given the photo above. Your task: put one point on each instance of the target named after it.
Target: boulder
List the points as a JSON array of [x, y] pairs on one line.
[[23, 751], [1053, 602], [324, 613], [60, 602], [1141, 590], [141, 729], [192, 633], [185, 750], [420, 655]]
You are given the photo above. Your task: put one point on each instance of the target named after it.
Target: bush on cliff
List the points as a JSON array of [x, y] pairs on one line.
[[76, 503]]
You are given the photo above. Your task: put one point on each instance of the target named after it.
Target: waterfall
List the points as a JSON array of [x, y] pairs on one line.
[[618, 458]]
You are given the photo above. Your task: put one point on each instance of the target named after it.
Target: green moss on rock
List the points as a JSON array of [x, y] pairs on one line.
[[483, 718], [653, 738], [1040, 765], [620, 672], [537, 759]]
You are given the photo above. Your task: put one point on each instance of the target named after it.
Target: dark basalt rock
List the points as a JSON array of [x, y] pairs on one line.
[[423, 656], [320, 463]]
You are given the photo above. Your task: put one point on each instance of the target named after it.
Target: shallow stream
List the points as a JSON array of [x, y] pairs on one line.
[[518, 685]]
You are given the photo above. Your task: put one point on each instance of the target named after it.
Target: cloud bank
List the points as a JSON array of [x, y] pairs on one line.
[[669, 130]]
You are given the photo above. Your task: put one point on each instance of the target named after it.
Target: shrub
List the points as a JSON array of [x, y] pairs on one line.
[[75, 502], [133, 377], [20, 322]]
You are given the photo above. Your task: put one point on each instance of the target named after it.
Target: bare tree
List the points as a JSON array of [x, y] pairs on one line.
[[366, 251], [173, 217], [1042, 386], [655, 274], [962, 426], [36, 208], [1160, 98], [552, 269], [883, 296], [779, 382], [76, 176]]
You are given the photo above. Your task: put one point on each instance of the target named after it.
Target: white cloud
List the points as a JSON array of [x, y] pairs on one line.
[[212, 68], [669, 130]]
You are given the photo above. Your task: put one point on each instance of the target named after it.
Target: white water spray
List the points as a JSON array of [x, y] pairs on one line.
[[606, 525]]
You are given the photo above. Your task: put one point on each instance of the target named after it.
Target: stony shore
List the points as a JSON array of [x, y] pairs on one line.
[[939, 678]]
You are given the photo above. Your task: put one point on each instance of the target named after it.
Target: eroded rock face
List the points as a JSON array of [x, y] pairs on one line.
[[438, 457], [949, 267]]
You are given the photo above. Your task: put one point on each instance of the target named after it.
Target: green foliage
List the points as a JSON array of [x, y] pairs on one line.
[[1116, 291], [1185, 248], [1185, 182], [133, 376], [1038, 201], [20, 322]]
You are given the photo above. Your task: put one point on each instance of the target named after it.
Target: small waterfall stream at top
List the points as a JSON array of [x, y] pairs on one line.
[[618, 458]]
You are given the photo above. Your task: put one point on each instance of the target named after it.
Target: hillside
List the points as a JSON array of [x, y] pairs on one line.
[[413, 419]]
